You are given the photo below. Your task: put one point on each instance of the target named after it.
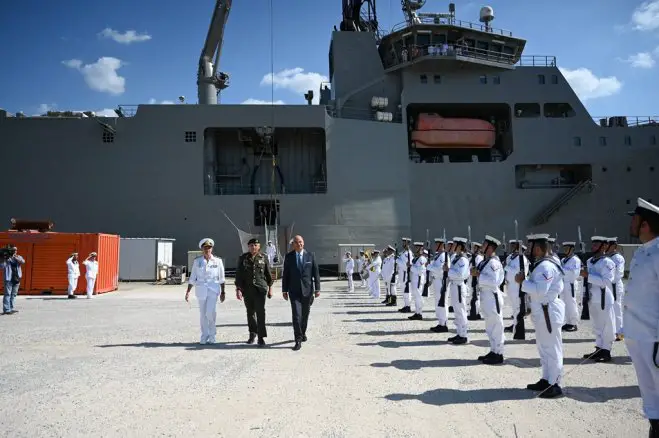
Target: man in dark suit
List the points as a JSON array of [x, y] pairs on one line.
[[300, 280]]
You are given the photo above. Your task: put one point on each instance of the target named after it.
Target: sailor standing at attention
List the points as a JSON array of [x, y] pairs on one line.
[[544, 285], [474, 303], [404, 266], [374, 269], [552, 254], [418, 279], [511, 269], [361, 261], [641, 309], [271, 252], [350, 270], [489, 273], [618, 285], [389, 275], [600, 273], [73, 272], [571, 290], [436, 270], [91, 271], [207, 277], [458, 275]]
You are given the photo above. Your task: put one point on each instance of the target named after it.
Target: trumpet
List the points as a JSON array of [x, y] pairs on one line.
[[368, 258]]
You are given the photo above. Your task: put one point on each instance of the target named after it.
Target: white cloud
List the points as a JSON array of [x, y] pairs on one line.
[[251, 101], [128, 37], [641, 60], [45, 107], [102, 75], [646, 16], [588, 86], [296, 80], [153, 101]]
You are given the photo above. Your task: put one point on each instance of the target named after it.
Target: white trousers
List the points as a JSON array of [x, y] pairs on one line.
[[73, 284], [390, 288], [512, 289], [570, 296], [374, 285], [440, 312], [647, 374], [550, 348], [207, 316], [493, 316], [351, 285], [363, 281], [416, 287], [459, 293], [617, 306], [604, 326], [91, 281]]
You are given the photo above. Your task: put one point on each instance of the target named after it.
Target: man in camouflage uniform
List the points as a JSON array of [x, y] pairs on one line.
[[253, 284]]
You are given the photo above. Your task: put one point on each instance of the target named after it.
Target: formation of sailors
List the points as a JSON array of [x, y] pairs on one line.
[[471, 281]]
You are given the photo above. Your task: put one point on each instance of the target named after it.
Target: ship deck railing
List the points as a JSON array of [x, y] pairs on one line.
[[627, 121], [446, 21], [315, 187], [434, 51]]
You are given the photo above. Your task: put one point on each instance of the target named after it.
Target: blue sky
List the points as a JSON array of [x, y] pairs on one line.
[[76, 54]]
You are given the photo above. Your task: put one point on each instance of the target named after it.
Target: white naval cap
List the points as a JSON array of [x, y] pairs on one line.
[[450, 242], [511, 241], [439, 240], [425, 251], [612, 240], [644, 208], [206, 241], [599, 239], [93, 253], [405, 239], [478, 244], [491, 239], [551, 239], [348, 253], [538, 237], [391, 248], [523, 247], [375, 251], [460, 239], [569, 243], [418, 243]]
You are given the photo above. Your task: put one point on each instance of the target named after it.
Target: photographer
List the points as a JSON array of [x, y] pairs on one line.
[[11, 262]]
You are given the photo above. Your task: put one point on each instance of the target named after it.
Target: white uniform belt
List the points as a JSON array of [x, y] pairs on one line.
[[550, 298], [489, 289]]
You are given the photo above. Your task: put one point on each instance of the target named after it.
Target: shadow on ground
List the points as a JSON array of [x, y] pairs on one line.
[[197, 346], [414, 364]]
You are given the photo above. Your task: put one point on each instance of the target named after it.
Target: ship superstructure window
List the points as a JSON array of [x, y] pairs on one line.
[[546, 176], [424, 79], [266, 213], [496, 80], [527, 110], [577, 141], [554, 79], [628, 140], [437, 79], [483, 79], [107, 136], [653, 140], [558, 110], [541, 79], [190, 136], [602, 141]]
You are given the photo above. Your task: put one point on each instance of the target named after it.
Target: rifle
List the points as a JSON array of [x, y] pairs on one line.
[[473, 312], [585, 311], [428, 281], [442, 292], [519, 329]]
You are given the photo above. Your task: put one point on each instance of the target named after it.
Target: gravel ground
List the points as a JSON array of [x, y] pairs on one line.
[[127, 364]]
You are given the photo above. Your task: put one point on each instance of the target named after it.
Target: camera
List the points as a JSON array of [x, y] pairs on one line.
[[7, 252]]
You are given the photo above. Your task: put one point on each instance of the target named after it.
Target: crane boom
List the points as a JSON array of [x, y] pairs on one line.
[[209, 81]]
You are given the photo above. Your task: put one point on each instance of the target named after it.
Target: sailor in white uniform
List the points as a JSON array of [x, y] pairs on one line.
[[91, 272], [544, 285], [404, 265], [572, 286], [270, 252], [418, 279], [552, 254], [641, 309], [600, 273], [374, 269], [618, 285], [436, 269], [207, 277], [350, 270], [489, 272], [458, 275], [511, 269], [474, 302], [73, 273], [361, 263], [389, 275]]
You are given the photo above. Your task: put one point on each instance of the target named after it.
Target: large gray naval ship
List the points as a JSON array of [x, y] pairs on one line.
[[436, 124]]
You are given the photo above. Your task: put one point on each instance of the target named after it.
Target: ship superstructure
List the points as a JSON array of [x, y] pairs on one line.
[[436, 124]]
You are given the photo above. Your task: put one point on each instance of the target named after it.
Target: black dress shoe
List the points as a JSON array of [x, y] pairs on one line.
[[252, 336], [552, 392], [603, 356], [654, 429], [304, 338], [261, 342], [481, 358], [592, 355], [439, 329], [540, 385], [297, 345], [405, 309], [495, 359], [459, 340], [416, 316], [476, 317], [509, 329]]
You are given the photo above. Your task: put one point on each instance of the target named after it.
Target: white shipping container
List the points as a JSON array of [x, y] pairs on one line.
[[139, 257]]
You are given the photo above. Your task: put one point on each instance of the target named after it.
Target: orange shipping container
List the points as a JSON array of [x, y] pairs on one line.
[[45, 257]]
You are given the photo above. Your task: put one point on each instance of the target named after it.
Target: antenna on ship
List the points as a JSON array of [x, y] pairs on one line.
[[487, 16]]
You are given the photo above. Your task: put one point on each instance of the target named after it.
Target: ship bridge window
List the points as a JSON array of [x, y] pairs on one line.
[[527, 110], [423, 39], [628, 140], [424, 79], [496, 80], [483, 79], [266, 213], [437, 79], [554, 79], [541, 79], [439, 38], [558, 110], [653, 140]]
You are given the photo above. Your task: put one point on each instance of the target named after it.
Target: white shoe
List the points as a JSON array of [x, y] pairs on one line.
[[202, 342], [211, 341]]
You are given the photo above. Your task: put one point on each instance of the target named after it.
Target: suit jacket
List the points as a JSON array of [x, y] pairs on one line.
[[304, 282]]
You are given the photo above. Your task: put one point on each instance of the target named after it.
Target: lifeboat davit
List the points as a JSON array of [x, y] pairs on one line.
[[434, 131]]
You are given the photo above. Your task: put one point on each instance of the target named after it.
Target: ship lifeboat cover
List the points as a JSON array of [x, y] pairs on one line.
[[434, 131]]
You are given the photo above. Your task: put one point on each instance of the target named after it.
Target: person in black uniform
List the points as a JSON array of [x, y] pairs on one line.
[[253, 283]]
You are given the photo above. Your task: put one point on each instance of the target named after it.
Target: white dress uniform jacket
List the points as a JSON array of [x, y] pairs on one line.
[[404, 258], [641, 316], [436, 270], [571, 290], [543, 287], [512, 288], [618, 288], [207, 276], [374, 269], [458, 275], [491, 300], [388, 265], [91, 272], [73, 272], [417, 281], [350, 269], [601, 273]]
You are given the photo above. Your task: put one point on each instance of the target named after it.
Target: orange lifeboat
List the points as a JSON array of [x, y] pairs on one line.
[[434, 131]]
